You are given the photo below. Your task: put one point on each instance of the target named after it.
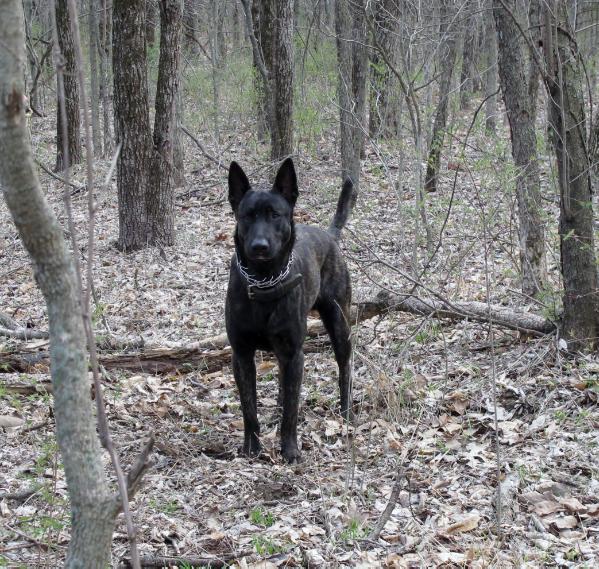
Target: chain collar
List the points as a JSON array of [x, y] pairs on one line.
[[269, 282]]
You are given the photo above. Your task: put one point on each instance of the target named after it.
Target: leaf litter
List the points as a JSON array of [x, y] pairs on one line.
[[422, 389]]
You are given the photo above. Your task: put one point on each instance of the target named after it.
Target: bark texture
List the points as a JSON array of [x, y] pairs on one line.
[[383, 120], [447, 57], [92, 27], [567, 119], [512, 63], [281, 79], [351, 109], [490, 69], [160, 195], [132, 121], [92, 506], [71, 93]]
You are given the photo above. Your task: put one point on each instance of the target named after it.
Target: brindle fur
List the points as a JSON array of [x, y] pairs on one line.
[[265, 235]]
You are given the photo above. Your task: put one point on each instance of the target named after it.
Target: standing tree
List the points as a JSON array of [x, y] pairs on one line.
[[490, 68], [93, 506], [580, 326], [281, 78], [145, 168], [66, 59], [350, 34], [515, 88], [160, 197], [132, 121], [94, 50], [447, 57], [383, 105]]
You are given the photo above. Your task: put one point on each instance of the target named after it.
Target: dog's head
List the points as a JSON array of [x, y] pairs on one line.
[[264, 217]]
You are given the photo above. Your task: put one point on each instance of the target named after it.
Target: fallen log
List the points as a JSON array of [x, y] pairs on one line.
[[211, 354]]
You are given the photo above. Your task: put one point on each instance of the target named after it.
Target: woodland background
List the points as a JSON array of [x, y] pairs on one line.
[[471, 130]]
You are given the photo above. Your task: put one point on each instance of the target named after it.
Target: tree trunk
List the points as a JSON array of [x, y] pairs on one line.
[[104, 48], [359, 70], [262, 22], [350, 136], [281, 79], [151, 21], [132, 121], [514, 85], [567, 118], [468, 58], [490, 72], [447, 57], [72, 145], [383, 93], [160, 195], [92, 505], [92, 25]]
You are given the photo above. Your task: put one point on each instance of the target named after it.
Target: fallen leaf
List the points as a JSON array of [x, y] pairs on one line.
[[467, 524]]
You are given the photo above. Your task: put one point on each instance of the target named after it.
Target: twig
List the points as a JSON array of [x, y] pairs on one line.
[[384, 518], [203, 150], [77, 188]]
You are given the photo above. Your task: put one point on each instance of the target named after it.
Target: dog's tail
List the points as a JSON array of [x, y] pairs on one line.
[[346, 202]]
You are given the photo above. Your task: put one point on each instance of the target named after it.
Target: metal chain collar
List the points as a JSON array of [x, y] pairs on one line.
[[265, 282]]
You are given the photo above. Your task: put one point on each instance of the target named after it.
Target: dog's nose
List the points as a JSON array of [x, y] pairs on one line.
[[260, 246]]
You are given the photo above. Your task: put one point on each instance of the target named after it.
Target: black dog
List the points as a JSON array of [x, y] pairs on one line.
[[278, 273]]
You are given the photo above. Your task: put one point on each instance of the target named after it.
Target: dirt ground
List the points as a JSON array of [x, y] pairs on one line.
[[424, 389]]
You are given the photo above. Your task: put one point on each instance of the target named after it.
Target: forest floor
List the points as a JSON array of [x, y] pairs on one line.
[[424, 388]]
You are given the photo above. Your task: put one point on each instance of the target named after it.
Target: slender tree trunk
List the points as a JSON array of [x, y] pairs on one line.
[[263, 36], [160, 196], [104, 48], [490, 72], [359, 70], [281, 78], [534, 73], [71, 93], [468, 57], [92, 505], [350, 135], [514, 85], [447, 52], [567, 118], [92, 23], [132, 121]]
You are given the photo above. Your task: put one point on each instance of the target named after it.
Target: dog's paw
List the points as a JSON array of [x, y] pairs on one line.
[[291, 453], [251, 447]]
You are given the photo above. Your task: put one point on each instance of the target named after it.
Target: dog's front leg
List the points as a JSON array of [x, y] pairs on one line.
[[244, 369], [292, 371]]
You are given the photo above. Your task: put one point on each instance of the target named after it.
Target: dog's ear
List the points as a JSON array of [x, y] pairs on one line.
[[238, 185], [286, 182]]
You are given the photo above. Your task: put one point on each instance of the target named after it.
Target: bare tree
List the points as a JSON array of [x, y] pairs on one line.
[[350, 31], [160, 197], [515, 88], [383, 105], [281, 77], [132, 121], [71, 92], [93, 506], [567, 119], [447, 57], [94, 45], [490, 68]]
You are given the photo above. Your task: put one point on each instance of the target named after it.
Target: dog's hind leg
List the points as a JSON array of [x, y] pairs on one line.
[[336, 321], [244, 370]]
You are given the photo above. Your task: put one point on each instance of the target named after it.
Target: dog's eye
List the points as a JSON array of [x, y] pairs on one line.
[[275, 214]]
